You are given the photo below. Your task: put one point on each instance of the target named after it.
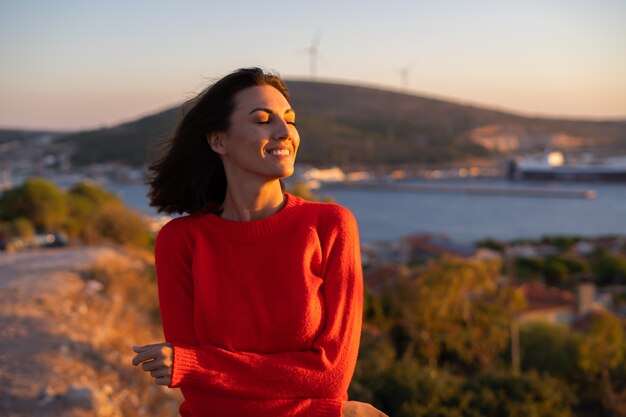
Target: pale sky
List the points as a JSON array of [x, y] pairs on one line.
[[70, 64]]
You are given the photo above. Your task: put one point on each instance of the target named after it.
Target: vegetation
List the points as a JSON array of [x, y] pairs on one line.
[[350, 125], [610, 268], [120, 310], [436, 342], [38, 200], [85, 213], [602, 351], [436, 337], [130, 143]]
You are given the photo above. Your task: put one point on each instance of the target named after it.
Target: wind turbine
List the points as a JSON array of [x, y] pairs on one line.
[[404, 77], [312, 51]]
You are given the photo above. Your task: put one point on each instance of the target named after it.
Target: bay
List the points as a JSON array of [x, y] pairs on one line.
[[390, 214]]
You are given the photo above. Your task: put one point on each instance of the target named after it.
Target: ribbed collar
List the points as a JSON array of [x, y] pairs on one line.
[[262, 228]]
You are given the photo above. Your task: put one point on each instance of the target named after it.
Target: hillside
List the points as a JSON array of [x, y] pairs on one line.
[[68, 319], [10, 135], [352, 125]]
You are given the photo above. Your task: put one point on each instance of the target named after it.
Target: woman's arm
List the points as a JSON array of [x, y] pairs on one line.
[[324, 371]]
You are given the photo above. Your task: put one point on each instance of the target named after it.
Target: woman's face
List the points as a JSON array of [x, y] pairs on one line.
[[262, 139]]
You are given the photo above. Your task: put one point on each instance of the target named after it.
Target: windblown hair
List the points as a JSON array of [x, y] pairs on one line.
[[189, 176]]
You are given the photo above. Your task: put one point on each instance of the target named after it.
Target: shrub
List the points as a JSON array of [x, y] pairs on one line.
[[38, 200]]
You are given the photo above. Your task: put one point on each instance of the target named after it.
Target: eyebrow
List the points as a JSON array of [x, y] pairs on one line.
[[269, 111]]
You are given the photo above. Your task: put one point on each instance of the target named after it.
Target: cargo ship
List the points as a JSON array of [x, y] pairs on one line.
[[555, 165]]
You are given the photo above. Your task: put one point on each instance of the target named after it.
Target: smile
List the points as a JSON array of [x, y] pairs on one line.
[[279, 152]]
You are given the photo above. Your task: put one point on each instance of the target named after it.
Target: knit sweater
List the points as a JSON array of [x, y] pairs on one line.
[[264, 316]]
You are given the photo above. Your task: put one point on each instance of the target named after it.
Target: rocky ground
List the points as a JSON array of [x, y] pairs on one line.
[[66, 333]]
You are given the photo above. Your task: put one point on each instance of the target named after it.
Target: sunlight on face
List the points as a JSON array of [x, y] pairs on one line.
[[262, 140]]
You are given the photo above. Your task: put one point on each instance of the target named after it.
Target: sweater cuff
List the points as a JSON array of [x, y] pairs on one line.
[[329, 407], [185, 362]]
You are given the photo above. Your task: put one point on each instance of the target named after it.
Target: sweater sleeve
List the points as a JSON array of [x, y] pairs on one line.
[[323, 371], [173, 252]]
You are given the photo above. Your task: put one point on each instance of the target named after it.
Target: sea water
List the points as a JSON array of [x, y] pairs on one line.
[[390, 214]]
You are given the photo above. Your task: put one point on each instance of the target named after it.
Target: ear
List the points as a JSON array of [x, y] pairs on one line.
[[216, 142]]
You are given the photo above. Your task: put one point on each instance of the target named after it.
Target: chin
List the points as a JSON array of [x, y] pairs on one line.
[[285, 175], [286, 172]]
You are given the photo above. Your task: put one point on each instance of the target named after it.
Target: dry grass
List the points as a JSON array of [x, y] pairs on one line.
[[117, 309], [66, 333]]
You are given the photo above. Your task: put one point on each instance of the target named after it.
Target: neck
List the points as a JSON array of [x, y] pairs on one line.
[[246, 202]]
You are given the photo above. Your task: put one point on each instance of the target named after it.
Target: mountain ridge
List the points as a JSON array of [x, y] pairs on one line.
[[348, 125]]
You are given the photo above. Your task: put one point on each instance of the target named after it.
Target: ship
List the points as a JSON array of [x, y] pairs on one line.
[[554, 165]]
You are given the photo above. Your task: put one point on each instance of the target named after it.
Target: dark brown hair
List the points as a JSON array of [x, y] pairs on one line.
[[189, 176]]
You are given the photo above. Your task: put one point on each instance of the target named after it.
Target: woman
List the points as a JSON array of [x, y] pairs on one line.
[[260, 291]]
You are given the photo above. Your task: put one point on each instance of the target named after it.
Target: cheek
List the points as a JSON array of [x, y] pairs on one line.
[[296, 139]]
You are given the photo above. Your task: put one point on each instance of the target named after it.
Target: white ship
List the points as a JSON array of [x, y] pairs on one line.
[[555, 166]]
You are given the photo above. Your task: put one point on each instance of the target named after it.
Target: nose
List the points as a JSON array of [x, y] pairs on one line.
[[283, 130]]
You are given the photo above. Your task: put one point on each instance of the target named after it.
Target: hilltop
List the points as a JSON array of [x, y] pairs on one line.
[[355, 125]]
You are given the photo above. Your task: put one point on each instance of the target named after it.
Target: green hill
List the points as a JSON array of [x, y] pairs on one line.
[[354, 125]]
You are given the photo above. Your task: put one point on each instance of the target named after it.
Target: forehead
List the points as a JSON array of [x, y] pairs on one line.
[[264, 96]]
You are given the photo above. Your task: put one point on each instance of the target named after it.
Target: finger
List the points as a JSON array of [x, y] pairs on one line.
[[161, 372], [153, 364], [144, 347], [164, 380], [145, 356]]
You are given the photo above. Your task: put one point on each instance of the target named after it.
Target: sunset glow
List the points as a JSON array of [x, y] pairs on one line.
[[72, 64]]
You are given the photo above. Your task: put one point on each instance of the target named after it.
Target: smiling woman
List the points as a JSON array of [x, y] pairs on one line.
[[261, 141], [260, 291]]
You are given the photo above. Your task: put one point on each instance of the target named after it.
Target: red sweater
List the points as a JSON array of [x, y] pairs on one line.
[[264, 316]]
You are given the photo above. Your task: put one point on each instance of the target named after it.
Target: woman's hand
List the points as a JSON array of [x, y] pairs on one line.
[[359, 409], [156, 359]]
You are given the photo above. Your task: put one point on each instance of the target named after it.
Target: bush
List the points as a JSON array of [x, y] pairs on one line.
[[550, 349], [528, 268], [491, 243], [19, 227], [563, 243], [609, 268], [525, 395], [38, 200], [86, 212], [121, 225], [555, 272]]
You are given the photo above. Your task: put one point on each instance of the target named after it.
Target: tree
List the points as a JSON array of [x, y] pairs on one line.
[[525, 395], [491, 243], [86, 211], [555, 271], [19, 227], [91, 192], [551, 349], [118, 223], [38, 200], [460, 308], [563, 243], [376, 356], [609, 268], [85, 201], [602, 350]]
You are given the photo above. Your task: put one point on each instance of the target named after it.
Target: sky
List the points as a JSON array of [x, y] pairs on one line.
[[75, 64]]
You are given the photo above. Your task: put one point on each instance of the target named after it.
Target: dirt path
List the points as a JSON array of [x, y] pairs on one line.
[[47, 353]]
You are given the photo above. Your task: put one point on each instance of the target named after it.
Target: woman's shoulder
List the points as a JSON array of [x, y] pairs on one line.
[[329, 214], [179, 228]]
